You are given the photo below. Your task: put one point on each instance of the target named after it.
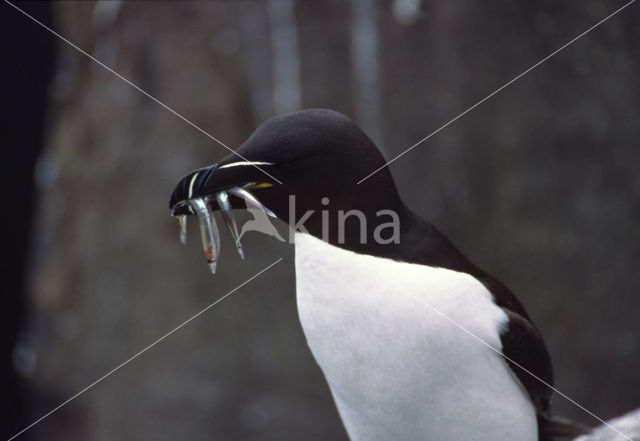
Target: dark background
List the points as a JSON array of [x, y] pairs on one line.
[[539, 186]]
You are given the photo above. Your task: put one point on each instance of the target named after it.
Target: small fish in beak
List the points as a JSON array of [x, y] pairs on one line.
[[225, 208], [250, 199], [182, 220], [208, 232], [210, 235]]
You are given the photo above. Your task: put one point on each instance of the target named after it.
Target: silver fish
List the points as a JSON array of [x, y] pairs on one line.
[[225, 208], [249, 198], [208, 232], [182, 221]]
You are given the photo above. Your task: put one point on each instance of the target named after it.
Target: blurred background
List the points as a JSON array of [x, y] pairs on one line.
[[539, 186]]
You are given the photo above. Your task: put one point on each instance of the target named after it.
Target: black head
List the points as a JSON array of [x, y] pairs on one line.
[[316, 156]]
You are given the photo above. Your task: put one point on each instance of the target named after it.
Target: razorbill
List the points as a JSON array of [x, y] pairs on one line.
[[379, 290]]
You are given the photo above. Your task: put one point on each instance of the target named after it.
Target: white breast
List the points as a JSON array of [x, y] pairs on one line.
[[397, 370]]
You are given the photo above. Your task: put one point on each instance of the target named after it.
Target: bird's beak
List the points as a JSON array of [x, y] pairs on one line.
[[207, 181], [208, 189]]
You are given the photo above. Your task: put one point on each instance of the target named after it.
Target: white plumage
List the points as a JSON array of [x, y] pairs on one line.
[[397, 370]]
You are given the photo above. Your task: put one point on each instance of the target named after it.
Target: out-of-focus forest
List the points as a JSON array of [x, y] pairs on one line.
[[539, 185]]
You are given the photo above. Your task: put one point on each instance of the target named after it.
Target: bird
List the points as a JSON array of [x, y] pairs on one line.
[[415, 341]]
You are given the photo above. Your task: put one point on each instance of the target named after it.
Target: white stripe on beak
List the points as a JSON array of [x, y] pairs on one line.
[[193, 179], [252, 163]]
